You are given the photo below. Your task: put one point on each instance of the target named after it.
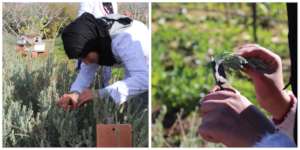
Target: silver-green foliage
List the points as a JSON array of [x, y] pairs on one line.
[[234, 62], [188, 131], [31, 117]]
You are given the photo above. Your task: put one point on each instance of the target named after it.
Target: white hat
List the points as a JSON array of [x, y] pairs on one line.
[[96, 8]]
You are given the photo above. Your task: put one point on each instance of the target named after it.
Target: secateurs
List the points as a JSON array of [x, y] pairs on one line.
[[234, 63], [218, 73]]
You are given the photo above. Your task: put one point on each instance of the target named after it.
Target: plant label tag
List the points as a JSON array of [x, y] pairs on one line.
[[114, 135]]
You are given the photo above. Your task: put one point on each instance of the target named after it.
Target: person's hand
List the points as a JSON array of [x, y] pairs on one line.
[[86, 96], [269, 85], [229, 118], [68, 101]]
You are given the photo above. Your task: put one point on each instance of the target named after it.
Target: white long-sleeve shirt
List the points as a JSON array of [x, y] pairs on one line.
[[131, 48]]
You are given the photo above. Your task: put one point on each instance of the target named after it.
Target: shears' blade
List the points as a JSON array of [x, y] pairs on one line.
[[218, 72]]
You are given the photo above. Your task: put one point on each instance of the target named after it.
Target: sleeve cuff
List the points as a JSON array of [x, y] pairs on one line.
[[277, 139], [287, 124], [106, 94]]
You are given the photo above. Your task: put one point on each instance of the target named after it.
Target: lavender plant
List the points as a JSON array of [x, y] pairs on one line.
[[31, 118], [229, 62]]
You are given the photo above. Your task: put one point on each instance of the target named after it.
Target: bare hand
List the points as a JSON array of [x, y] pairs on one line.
[[85, 97], [68, 101], [229, 118], [268, 86]]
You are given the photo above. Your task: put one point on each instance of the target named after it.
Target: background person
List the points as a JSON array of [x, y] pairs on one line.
[[129, 49]]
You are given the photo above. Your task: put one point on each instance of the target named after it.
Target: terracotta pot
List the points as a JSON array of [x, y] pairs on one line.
[[114, 135]]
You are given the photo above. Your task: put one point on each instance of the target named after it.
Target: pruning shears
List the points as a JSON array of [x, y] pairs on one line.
[[219, 73]]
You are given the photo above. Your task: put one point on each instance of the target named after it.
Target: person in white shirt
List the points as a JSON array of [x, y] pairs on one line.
[[128, 47]]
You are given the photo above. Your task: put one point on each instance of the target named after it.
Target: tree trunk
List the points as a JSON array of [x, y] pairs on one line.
[[253, 6]]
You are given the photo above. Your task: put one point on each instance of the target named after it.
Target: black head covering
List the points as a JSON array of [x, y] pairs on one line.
[[86, 34]]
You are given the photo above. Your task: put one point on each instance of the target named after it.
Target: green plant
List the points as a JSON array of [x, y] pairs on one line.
[[182, 134], [184, 38], [31, 118], [31, 87], [229, 62], [233, 62]]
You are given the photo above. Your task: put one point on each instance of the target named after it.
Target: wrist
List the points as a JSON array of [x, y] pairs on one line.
[[285, 106], [252, 115]]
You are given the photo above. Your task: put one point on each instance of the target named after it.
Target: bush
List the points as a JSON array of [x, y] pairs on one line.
[[31, 117], [43, 19]]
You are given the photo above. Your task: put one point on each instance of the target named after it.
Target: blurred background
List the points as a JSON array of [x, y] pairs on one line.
[[184, 36], [47, 20]]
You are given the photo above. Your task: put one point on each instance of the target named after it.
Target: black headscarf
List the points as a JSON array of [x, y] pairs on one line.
[[86, 34]]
